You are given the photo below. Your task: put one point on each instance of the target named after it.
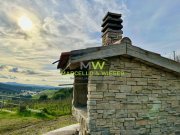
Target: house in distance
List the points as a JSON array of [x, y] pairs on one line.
[[121, 89]]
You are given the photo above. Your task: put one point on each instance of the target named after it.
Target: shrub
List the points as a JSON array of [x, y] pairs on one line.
[[24, 112], [45, 110], [41, 115], [57, 96], [22, 108]]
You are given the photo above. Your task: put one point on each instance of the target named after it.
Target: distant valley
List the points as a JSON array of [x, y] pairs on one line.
[[15, 88]]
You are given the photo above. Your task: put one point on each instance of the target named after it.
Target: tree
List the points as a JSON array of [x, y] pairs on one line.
[[43, 97], [57, 96]]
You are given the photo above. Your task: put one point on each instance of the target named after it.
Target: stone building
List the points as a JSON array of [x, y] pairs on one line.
[[121, 89]]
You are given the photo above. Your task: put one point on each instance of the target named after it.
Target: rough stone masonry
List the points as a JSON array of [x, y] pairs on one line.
[[145, 101]]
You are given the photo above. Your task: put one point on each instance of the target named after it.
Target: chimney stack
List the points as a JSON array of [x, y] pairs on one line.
[[111, 31]]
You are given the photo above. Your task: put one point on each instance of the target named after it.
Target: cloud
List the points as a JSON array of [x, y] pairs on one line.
[[3, 76], [15, 70], [8, 68], [61, 25], [9, 77], [24, 71]]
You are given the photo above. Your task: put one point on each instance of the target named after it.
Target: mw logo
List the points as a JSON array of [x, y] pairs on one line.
[[92, 65]]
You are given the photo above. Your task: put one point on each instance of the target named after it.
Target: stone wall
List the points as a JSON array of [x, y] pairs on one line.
[[144, 101], [80, 91], [79, 108], [81, 116]]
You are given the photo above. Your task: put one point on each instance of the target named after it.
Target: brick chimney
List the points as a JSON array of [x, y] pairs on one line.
[[111, 31]]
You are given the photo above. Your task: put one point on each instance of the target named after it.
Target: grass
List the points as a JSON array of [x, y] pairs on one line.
[[13, 123]]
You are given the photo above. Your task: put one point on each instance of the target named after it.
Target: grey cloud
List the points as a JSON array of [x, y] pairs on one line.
[[29, 72], [24, 71], [15, 70], [8, 77]]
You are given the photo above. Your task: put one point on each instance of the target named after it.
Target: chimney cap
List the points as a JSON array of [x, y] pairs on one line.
[[113, 15], [112, 26], [111, 20]]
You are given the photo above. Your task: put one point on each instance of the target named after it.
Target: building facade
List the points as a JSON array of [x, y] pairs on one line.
[[122, 89]]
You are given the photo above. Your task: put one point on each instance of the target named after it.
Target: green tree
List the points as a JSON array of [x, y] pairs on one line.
[[57, 96], [43, 97]]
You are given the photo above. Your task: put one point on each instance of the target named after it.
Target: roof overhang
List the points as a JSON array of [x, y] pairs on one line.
[[69, 60], [64, 58]]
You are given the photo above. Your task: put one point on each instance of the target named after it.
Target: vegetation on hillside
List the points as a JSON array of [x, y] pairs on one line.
[[46, 106]]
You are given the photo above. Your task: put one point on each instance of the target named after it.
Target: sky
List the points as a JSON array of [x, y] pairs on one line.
[[27, 54]]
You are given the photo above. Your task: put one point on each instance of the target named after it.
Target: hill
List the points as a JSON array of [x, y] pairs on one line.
[[16, 87]]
